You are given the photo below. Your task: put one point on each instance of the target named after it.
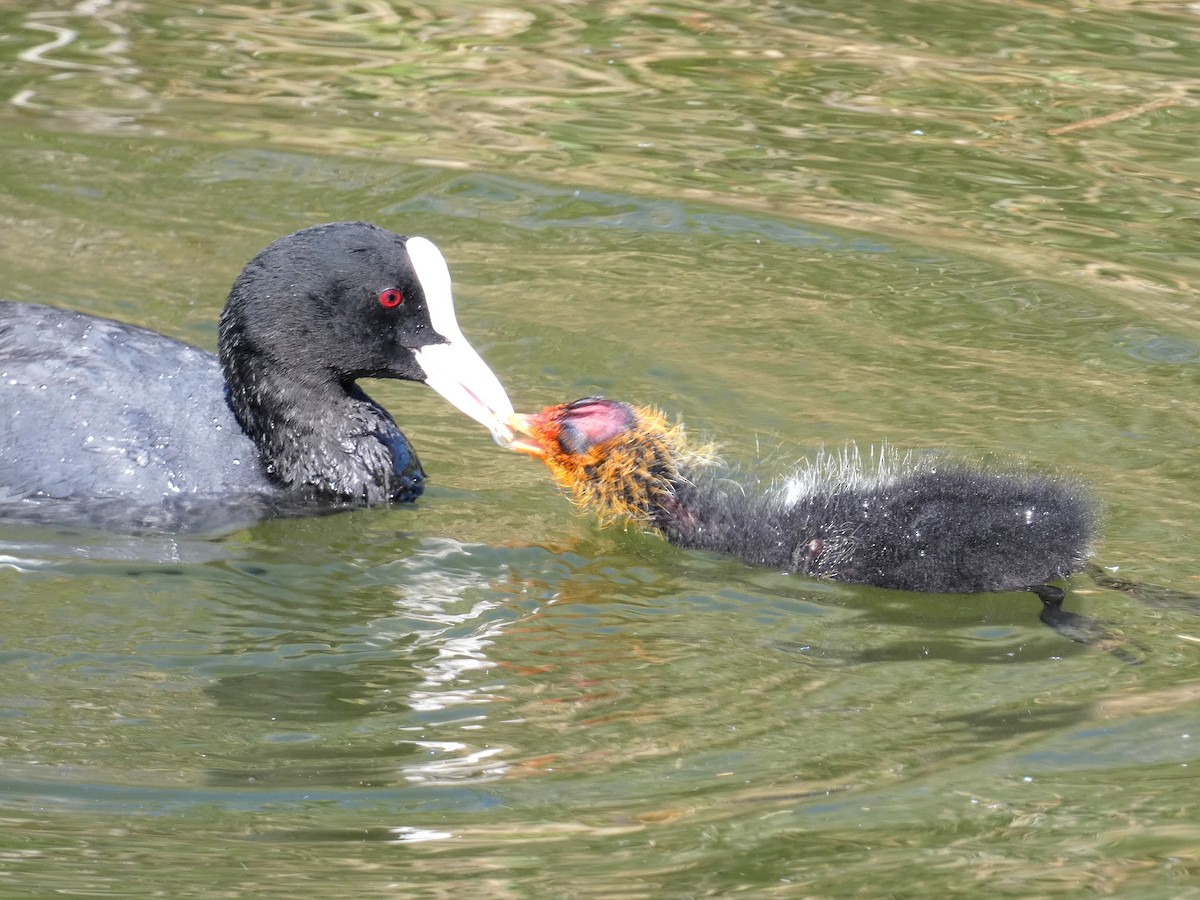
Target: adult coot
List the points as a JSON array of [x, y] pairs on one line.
[[909, 523], [111, 424]]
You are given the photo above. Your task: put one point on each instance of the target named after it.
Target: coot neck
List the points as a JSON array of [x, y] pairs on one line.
[[673, 507], [317, 434]]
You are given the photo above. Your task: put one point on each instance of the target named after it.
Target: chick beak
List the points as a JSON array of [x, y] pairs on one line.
[[525, 437]]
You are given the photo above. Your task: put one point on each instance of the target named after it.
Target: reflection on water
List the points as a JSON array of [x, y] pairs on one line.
[[421, 663], [967, 227], [828, 113], [540, 207]]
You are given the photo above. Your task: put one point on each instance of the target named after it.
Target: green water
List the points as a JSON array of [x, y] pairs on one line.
[[968, 227]]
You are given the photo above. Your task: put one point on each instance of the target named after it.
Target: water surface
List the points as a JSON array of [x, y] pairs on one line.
[[950, 226]]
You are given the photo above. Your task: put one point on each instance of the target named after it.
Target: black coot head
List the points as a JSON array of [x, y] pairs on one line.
[[351, 300]]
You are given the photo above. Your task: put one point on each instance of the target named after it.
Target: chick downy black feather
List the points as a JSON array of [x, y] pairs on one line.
[[894, 521], [911, 524]]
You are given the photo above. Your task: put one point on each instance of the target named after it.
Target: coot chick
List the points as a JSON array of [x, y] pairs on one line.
[[908, 523], [110, 424]]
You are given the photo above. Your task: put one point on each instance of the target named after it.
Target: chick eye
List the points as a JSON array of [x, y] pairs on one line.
[[572, 440], [391, 298]]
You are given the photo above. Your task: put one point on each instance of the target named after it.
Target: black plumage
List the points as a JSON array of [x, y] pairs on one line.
[[110, 424], [935, 528]]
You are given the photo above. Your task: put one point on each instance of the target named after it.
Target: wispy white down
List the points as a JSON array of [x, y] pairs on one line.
[[848, 468]]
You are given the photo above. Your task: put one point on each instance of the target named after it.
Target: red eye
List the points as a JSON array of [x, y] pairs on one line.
[[391, 298]]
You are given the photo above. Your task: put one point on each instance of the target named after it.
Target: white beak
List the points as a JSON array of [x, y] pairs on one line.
[[454, 369], [460, 375]]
